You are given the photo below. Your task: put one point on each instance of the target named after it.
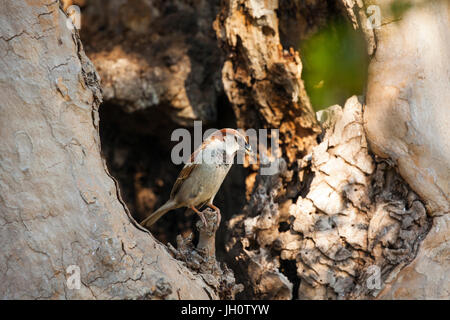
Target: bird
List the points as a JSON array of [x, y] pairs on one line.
[[201, 177]]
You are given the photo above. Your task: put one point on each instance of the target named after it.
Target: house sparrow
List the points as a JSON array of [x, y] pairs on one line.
[[201, 178]]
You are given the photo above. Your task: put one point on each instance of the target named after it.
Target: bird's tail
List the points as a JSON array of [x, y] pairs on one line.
[[151, 219]]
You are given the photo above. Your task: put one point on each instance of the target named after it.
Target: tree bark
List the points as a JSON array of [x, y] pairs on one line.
[[59, 205], [361, 190], [158, 58], [349, 217], [407, 120]]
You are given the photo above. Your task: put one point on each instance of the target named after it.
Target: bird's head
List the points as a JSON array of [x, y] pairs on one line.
[[234, 140], [224, 142]]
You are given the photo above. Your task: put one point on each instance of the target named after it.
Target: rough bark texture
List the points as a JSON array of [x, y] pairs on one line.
[[407, 120], [409, 81], [202, 259], [338, 212], [355, 10], [263, 83], [364, 186], [427, 277], [58, 204], [156, 57], [261, 79], [354, 214]]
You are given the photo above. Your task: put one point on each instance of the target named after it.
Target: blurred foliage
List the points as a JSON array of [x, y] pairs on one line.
[[399, 7], [334, 64]]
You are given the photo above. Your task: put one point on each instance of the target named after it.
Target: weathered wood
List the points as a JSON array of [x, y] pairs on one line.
[[58, 205]]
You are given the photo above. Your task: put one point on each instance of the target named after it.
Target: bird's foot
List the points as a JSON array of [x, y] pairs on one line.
[[202, 217], [200, 214], [217, 210]]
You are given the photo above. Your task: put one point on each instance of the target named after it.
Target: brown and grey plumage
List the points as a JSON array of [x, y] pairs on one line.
[[200, 179]]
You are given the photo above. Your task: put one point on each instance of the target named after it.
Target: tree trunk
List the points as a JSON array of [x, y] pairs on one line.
[[351, 218], [407, 120], [59, 205], [357, 208]]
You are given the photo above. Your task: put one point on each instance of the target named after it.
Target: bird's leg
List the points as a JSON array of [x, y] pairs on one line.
[[219, 217], [202, 217]]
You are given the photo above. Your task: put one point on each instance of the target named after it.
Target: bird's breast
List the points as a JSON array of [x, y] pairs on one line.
[[203, 183]]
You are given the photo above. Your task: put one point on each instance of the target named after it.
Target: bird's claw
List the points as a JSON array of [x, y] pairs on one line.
[[217, 211], [219, 217], [202, 217]]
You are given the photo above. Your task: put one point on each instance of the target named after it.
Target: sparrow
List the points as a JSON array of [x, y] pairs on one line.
[[201, 177]]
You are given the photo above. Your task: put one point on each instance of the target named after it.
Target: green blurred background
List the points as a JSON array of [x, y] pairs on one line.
[[334, 64]]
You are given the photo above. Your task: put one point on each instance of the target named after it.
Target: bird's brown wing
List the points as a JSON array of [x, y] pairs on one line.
[[184, 174], [187, 170]]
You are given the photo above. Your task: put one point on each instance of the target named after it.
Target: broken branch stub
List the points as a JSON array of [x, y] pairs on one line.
[[202, 259]]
